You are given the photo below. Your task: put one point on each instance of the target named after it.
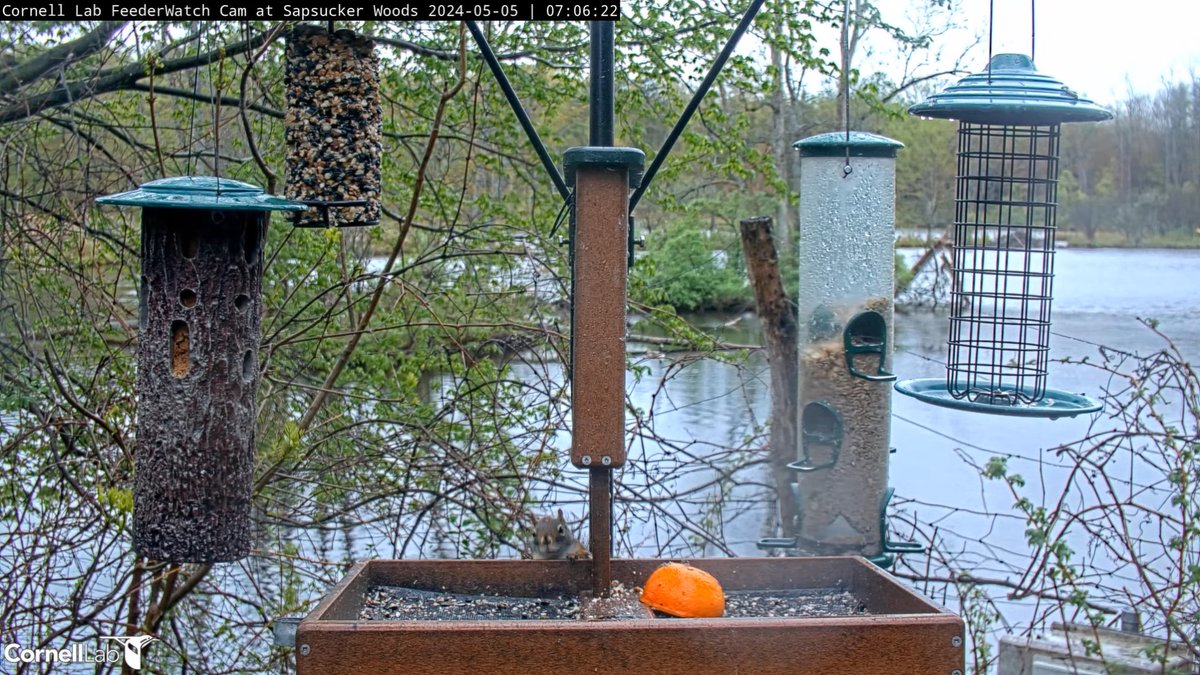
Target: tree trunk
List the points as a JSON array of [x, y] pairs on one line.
[[779, 337]]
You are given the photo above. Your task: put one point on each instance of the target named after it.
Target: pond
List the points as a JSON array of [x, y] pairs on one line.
[[1099, 297]]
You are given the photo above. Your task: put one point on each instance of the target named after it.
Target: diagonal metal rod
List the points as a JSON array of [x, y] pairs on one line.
[[515, 103], [690, 110]]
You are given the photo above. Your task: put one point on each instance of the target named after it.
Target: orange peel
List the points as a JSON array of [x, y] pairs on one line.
[[684, 591]]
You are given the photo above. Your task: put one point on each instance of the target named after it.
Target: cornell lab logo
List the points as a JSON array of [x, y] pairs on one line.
[[77, 653], [133, 647]]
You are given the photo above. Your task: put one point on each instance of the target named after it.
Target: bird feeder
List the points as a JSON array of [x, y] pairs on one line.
[[844, 333], [333, 127], [1004, 227], [895, 631], [200, 303]]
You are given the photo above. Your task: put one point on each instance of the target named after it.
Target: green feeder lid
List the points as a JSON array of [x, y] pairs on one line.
[[861, 144], [1010, 92], [201, 192], [590, 155]]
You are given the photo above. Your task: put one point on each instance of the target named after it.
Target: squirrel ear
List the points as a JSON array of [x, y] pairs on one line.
[[560, 516]]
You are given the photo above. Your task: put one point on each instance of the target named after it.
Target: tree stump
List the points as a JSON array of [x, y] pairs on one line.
[[778, 319]]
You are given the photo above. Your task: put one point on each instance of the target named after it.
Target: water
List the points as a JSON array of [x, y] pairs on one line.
[[707, 406], [693, 412], [1099, 297]]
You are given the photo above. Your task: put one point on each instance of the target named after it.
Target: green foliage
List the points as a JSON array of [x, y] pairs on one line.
[[925, 170], [688, 269], [981, 616]]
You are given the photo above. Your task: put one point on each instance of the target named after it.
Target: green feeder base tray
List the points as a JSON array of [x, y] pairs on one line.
[[1053, 405]]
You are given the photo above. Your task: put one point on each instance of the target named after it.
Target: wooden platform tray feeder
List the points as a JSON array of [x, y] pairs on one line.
[[333, 127], [894, 632], [200, 307]]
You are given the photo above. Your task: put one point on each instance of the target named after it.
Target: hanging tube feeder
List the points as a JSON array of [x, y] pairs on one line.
[[200, 307], [844, 338], [1004, 226], [333, 127]]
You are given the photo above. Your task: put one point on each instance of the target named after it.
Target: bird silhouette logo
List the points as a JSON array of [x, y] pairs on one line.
[[133, 645]]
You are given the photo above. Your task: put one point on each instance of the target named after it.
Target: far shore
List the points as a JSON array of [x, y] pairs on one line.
[[1104, 239]]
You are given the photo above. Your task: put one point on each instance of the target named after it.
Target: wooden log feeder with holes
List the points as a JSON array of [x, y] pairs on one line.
[[200, 303]]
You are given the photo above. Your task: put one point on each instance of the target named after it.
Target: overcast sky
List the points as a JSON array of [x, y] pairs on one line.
[[1097, 47]]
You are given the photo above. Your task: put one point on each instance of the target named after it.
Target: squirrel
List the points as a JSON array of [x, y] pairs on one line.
[[552, 540]]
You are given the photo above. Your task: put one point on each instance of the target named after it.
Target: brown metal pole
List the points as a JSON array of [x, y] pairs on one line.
[[600, 522], [600, 176], [598, 383]]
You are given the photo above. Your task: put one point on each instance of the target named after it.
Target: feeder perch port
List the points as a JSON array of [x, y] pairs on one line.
[[200, 304], [1004, 228]]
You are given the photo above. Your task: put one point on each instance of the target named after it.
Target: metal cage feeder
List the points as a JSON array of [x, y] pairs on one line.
[[1004, 231]]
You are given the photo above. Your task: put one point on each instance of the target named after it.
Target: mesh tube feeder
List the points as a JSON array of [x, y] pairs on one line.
[[333, 127], [1004, 229], [199, 307]]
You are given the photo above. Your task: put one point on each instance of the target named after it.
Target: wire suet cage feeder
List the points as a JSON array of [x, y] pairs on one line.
[[1004, 233], [333, 127]]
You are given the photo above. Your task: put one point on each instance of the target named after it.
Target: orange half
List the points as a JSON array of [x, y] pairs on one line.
[[684, 591]]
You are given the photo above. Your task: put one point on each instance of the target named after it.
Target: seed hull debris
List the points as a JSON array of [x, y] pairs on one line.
[[393, 603]]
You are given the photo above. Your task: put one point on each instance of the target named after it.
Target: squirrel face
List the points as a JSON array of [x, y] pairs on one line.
[[552, 539]]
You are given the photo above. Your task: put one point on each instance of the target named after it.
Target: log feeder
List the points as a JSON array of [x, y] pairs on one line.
[[200, 303]]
